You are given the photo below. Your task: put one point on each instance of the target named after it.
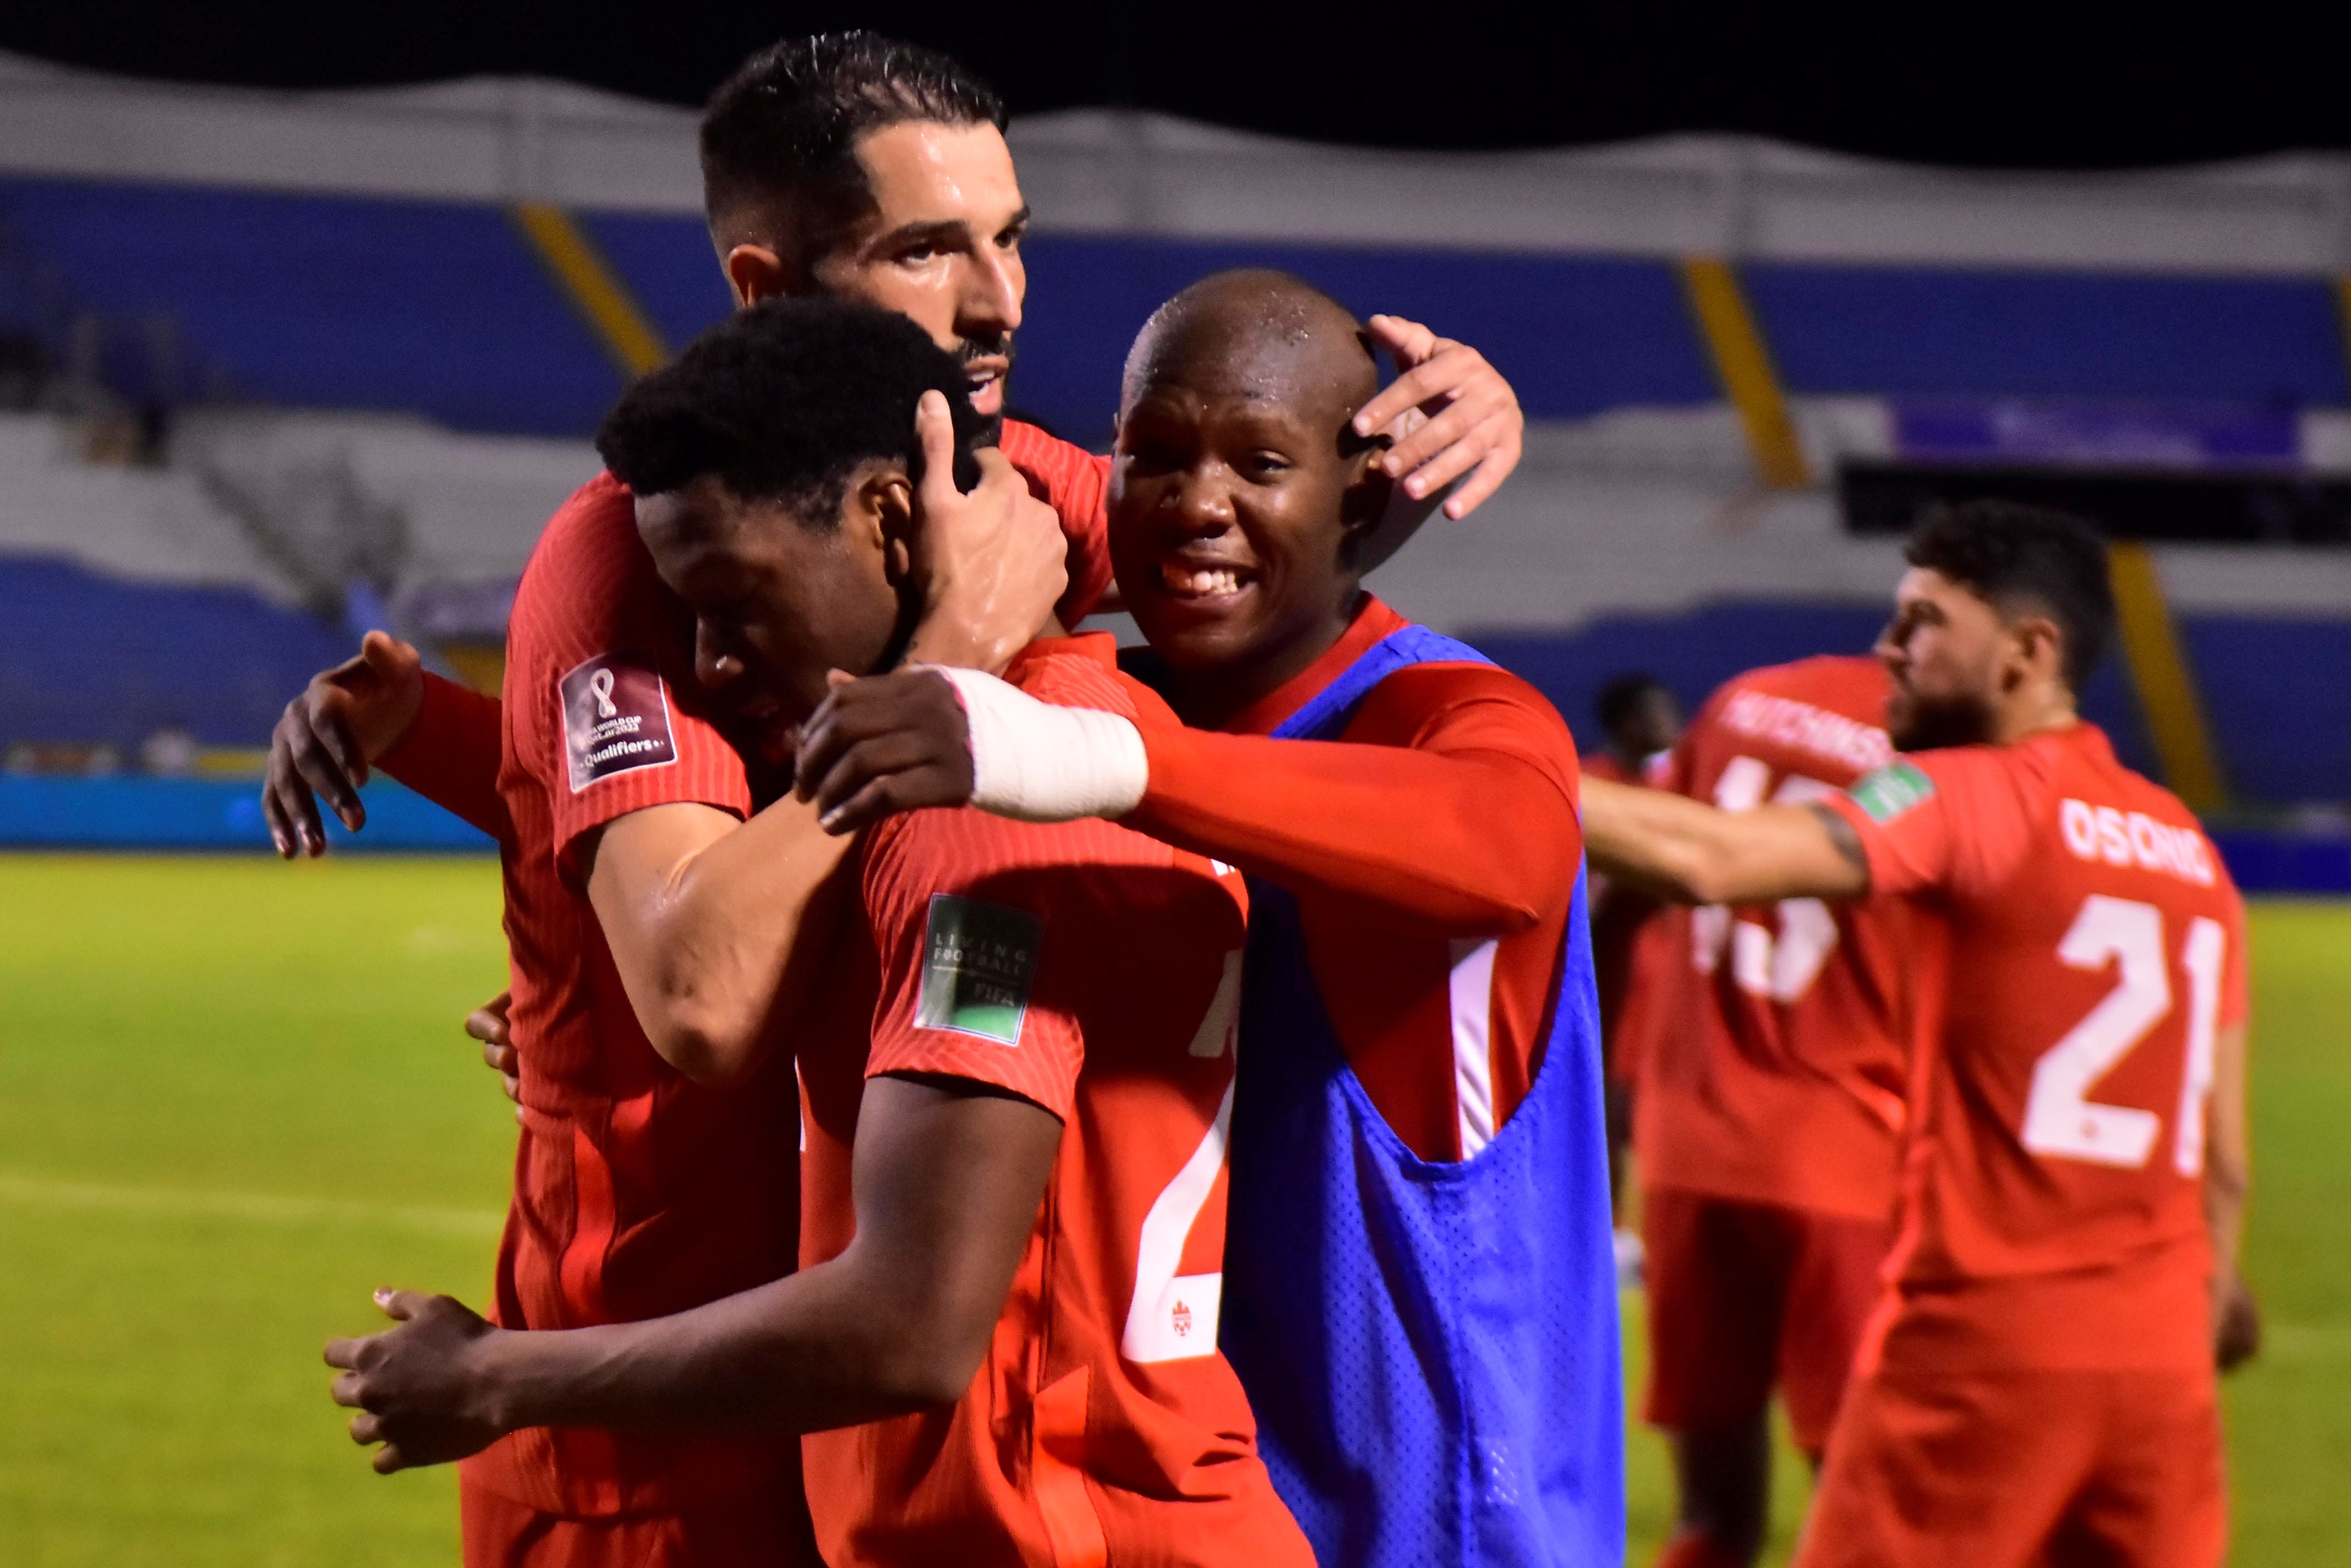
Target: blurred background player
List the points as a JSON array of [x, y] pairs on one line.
[[1002, 1341], [1417, 1292], [1768, 1105], [1639, 718], [849, 165], [2038, 1383]]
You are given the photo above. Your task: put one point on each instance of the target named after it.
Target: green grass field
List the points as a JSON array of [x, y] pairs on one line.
[[234, 1098]]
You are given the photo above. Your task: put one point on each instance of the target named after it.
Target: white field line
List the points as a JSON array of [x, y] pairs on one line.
[[252, 1207]]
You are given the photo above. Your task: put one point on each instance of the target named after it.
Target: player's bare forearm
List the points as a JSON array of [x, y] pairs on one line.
[[1692, 853], [720, 930], [947, 1179]]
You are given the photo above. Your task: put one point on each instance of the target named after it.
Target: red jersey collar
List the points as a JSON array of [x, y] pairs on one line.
[[1373, 622]]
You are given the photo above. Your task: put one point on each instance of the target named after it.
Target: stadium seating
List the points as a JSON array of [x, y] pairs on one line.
[[437, 349], [90, 658]]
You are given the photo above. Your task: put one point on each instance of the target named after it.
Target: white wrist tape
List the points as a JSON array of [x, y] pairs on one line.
[[1036, 762]]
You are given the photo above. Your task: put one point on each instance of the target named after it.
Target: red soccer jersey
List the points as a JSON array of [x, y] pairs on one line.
[[1776, 1070], [636, 1192], [1097, 973], [1076, 484], [2079, 946], [1451, 795]]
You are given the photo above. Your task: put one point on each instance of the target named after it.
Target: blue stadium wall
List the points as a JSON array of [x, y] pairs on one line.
[[442, 309]]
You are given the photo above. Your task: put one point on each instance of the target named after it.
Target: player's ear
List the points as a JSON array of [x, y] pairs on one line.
[[883, 506], [757, 272], [1366, 493], [2036, 651]]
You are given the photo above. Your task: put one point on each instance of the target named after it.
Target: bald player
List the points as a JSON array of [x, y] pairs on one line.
[[2038, 1382], [1418, 1287]]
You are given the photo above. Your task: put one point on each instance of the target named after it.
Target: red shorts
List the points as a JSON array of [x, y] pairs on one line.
[[2022, 1469], [502, 1533], [1743, 1296]]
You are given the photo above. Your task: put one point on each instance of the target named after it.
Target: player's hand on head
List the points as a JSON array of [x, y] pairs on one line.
[[489, 1024], [993, 563], [2236, 1325], [1473, 431], [881, 745], [421, 1389], [344, 719]]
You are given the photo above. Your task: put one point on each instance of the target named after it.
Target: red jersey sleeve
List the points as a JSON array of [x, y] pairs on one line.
[[450, 756], [968, 989], [1076, 484], [605, 712], [1908, 815], [1453, 799]]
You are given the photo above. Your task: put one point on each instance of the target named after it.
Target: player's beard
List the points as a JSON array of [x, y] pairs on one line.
[[1917, 723], [991, 426]]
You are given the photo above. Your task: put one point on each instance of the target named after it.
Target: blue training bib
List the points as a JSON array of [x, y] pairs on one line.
[[1431, 1349]]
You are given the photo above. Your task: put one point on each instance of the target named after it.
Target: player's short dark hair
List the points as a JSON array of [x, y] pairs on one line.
[[786, 125], [1622, 695], [783, 401], [2011, 554]]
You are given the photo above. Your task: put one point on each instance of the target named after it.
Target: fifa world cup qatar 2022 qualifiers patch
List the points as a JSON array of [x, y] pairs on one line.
[[979, 960], [615, 718], [1891, 791]]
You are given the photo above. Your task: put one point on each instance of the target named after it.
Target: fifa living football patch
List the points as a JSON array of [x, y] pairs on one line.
[[1891, 791], [980, 961], [615, 717]]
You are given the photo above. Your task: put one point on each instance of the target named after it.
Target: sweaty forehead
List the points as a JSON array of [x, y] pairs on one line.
[[1271, 344]]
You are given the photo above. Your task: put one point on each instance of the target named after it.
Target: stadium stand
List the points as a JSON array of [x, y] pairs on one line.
[[357, 371]]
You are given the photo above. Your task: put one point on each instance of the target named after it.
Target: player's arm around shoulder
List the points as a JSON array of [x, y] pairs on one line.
[[1691, 853]]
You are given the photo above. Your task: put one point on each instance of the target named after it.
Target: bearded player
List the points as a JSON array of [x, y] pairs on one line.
[[651, 924], [1767, 1107], [2038, 1382], [1418, 1289]]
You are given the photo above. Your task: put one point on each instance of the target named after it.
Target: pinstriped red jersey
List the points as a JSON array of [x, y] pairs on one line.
[[1095, 972], [636, 1192], [1075, 483]]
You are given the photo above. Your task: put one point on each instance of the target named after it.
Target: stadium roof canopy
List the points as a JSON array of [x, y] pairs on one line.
[[1980, 84]]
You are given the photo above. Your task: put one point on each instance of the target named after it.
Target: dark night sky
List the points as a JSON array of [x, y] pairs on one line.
[[2000, 86]]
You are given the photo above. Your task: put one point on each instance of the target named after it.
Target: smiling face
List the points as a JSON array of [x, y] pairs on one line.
[[940, 243], [1236, 487], [777, 602]]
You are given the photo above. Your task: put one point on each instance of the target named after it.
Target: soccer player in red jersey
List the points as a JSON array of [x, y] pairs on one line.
[[1002, 1338], [649, 922], [2038, 1383], [1768, 1109]]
